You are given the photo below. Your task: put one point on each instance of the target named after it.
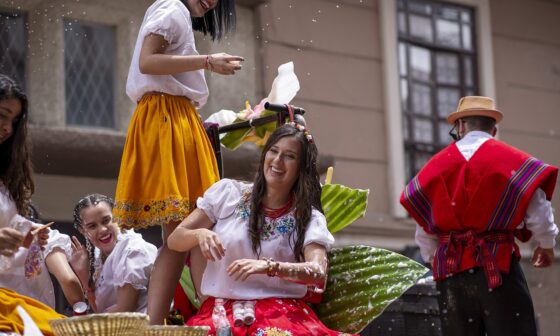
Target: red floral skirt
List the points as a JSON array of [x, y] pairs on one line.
[[273, 317]]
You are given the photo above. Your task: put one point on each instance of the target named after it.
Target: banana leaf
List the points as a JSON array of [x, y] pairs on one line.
[[362, 282], [343, 205], [188, 286], [258, 134]]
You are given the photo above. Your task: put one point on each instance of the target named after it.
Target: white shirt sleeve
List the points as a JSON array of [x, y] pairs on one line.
[[428, 243], [540, 220], [166, 20], [221, 199], [135, 267], [317, 231], [60, 241]]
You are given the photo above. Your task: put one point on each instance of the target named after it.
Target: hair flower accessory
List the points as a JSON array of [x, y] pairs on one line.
[[302, 129]]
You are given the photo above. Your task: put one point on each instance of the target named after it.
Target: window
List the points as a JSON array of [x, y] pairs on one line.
[[89, 59], [13, 37], [437, 66]]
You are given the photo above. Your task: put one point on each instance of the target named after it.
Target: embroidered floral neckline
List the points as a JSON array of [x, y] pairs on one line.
[[273, 227]]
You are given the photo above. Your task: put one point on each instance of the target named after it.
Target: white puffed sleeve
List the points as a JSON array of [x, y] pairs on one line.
[[221, 199], [317, 231], [167, 20], [135, 266], [60, 241]]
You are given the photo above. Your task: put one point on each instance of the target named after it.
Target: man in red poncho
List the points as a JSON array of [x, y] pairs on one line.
[[471, 201]]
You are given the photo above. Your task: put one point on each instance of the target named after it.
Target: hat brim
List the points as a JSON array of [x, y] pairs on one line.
[[494, 114]]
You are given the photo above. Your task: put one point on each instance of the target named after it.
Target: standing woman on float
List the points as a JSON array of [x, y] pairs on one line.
[[168, 161]]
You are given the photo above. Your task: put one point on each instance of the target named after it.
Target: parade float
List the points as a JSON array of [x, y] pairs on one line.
[[362, 280]]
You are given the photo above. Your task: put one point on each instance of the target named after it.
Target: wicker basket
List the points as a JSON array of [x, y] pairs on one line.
[[122, 324], [176, 331]]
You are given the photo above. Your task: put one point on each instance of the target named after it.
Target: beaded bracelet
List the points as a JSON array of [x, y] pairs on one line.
[[272, 267]]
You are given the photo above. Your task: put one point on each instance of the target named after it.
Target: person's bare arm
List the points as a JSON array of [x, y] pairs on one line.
[[58, 265], [154, 61], [195, 230], [127, 299], [312, 272]]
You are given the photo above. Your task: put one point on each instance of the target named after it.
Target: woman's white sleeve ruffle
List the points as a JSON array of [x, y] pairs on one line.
[[317, 231], [166, 21], [60, 241], [135, 266], [221, 199]]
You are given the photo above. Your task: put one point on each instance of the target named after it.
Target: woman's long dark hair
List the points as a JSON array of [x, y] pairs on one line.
[[15, 153], [306, 191], [218, 21], [86, 202]]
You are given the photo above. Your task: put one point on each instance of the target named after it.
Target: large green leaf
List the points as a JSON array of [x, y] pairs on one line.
[[342, 205], [362, 282], [258, 134], [233, 139], [188, 286]]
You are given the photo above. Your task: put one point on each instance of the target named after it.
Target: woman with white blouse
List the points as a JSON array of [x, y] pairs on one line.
[[16, 188], [114, 267], [264, 242]]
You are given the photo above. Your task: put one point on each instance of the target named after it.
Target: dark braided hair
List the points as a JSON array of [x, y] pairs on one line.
[[306, 190], [15, 152], [86, 202]]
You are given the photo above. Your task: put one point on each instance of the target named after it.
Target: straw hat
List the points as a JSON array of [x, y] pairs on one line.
[[475, 106]]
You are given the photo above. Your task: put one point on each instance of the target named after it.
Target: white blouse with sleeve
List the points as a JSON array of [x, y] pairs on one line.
[[39, 287], [227, 204], [172, 20], [130, 262]]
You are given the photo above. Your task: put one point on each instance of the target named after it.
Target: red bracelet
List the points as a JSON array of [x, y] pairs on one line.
[[207, 64]]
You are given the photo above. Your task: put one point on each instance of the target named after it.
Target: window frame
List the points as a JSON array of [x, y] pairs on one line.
[[392, 95], [23, 15], [78, 121]]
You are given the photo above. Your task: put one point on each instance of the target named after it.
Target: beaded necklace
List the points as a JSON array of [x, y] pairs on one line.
[[276, 213]]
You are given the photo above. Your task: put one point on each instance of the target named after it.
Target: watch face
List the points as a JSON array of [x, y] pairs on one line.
[[80, 308]]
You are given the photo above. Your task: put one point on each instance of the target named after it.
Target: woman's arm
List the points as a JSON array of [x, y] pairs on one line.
[[79, 262], [312, 272], [127, 299], [58, 265], [154, 61], [195, 231]]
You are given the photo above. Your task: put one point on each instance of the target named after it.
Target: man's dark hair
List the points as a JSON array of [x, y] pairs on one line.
[[480, 123]]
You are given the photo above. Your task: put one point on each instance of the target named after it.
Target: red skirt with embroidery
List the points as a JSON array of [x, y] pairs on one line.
[[273, 317]]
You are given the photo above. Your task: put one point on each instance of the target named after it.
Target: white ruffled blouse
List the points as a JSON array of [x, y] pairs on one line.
[[172, 20], [226, 203], [130, 262], [40, 287]]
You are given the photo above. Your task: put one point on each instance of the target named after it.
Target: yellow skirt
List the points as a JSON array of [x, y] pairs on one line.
[[10, 320], [167, 163]]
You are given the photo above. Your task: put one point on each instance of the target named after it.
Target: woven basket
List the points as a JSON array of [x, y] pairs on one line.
[[176, 331], [122, 324]]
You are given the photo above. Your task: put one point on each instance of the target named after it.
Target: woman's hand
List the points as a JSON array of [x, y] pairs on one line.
[[80, 260], [42, 237], [241, 269], [224, 64], [210, 244], [10, 241]]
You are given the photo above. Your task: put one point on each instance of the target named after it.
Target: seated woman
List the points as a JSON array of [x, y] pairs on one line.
[[114, 267], [266, 241], [16, 188]]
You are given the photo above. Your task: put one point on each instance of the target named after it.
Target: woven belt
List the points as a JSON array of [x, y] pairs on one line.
[[457, 241]]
